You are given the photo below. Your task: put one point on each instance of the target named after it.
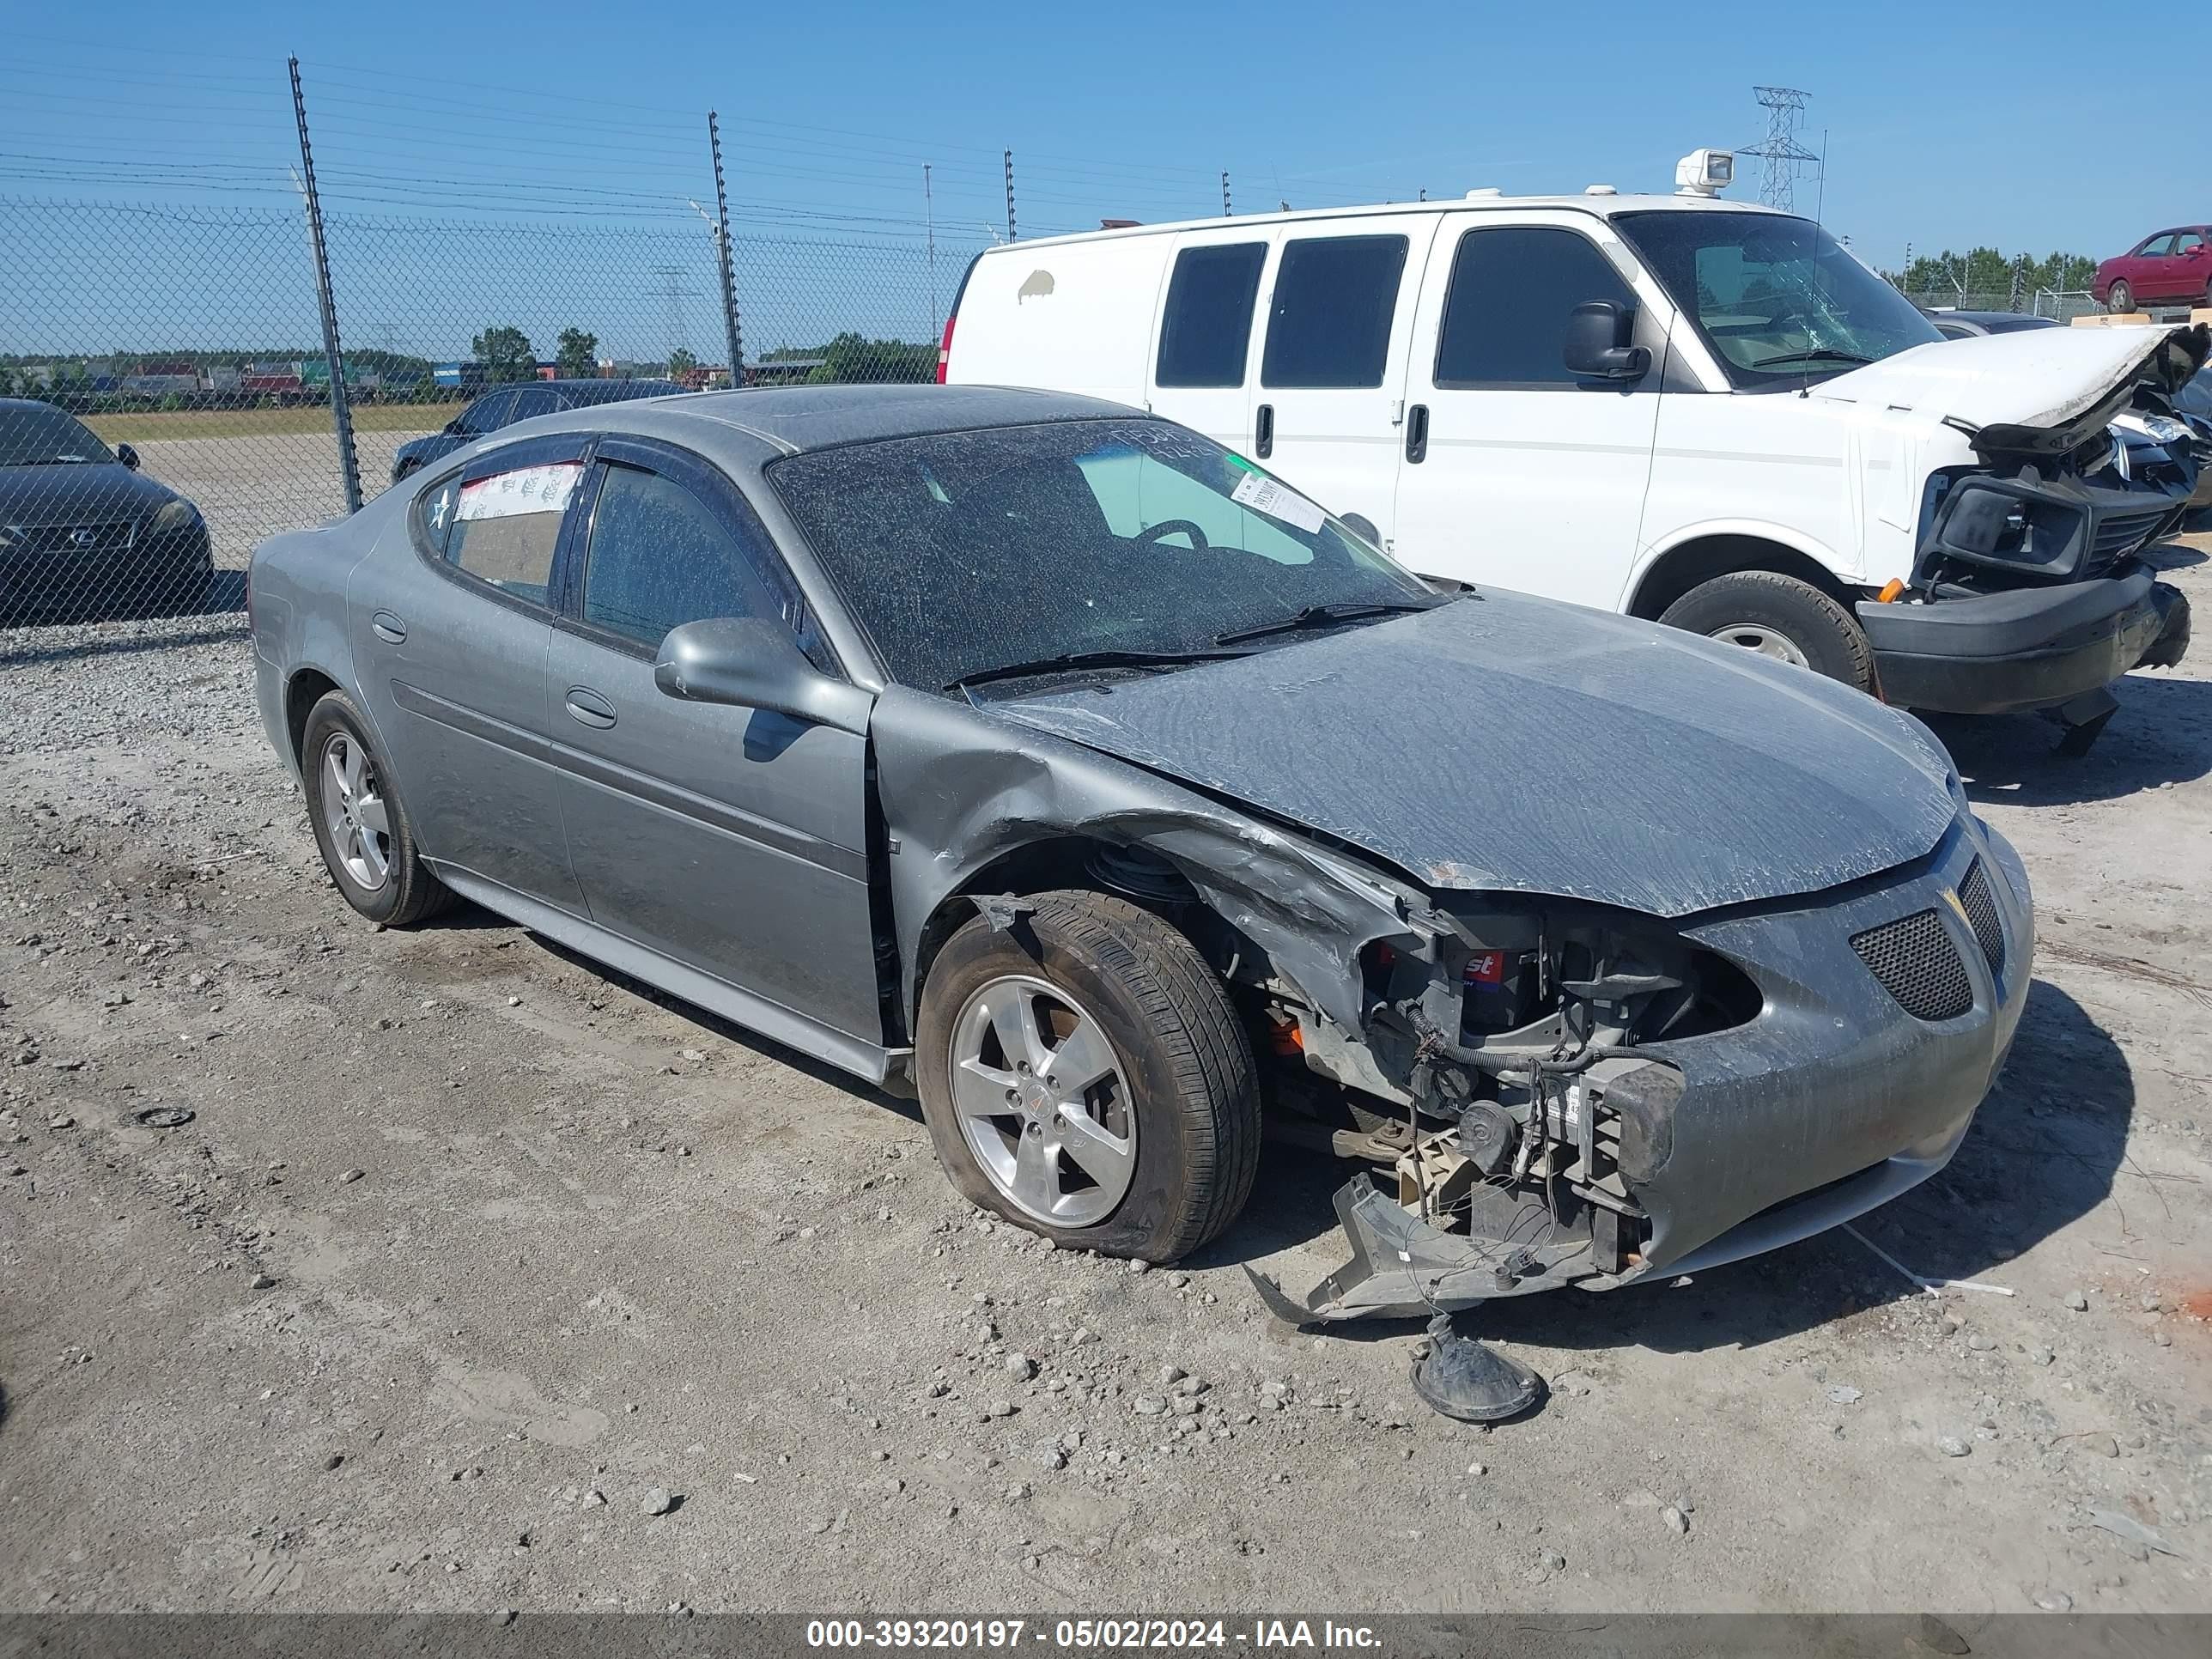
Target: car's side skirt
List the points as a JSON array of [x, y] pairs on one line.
[[810, 1037]]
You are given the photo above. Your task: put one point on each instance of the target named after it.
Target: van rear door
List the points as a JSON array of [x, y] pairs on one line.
[[1328, 413], [1068, 316], [1517, 472]]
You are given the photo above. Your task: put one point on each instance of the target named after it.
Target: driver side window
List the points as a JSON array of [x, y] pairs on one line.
[[659, 557]]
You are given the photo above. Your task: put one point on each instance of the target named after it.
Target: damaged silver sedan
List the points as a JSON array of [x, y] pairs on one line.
[[1058, 762]]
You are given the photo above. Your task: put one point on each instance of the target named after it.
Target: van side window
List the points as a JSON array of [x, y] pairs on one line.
[[1505, 313], [1335, 297], [1208, 324]]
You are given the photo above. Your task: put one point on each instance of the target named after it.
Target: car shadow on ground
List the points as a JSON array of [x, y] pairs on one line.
[[2161, 735], [2044, 1150]]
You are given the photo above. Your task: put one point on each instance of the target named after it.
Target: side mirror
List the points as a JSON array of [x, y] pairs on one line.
[[752, 664], [1597, 343], [127, 455]]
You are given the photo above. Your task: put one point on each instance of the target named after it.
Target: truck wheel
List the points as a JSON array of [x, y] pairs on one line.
[[1083, 1076], [367, 838], [2121, 300], [1778, 617]]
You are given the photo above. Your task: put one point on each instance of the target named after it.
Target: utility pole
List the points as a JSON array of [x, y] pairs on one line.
[[341, 408], [1227, 211], [929, 231], [1010, 196], [732, 338]]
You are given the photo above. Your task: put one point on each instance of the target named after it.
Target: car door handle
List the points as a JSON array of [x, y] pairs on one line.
[[387, 627], [589, 706], [1417, 432], [1263, 431]]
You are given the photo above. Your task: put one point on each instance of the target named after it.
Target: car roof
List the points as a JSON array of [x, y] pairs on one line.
[[748, 427]]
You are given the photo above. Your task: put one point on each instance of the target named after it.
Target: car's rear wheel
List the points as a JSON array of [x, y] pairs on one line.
[[2121, 300], [361, 825], [1778, 617], [1083, 1075]]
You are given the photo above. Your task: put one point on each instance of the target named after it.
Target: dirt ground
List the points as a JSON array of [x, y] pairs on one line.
[[347, 1269]]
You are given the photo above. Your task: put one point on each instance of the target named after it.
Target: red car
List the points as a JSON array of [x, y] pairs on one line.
[[2174, 267]]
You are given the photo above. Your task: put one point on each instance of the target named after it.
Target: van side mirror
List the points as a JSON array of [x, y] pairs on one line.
[[752, 664], [1597, 346]]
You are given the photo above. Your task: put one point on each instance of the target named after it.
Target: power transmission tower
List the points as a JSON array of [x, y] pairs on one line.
[[1780, 150], [675, 292]]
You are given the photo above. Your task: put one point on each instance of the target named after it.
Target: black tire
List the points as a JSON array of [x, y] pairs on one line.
[[1179, 1044], [2119, 299], [1827, 636], [410, 892]]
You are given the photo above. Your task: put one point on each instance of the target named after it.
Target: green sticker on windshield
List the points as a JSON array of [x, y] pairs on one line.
[[1239, 462]]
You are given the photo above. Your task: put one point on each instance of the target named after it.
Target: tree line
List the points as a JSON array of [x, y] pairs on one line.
[[1988, 271]]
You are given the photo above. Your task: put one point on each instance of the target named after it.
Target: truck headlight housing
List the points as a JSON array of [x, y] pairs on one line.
[[1992, 522]]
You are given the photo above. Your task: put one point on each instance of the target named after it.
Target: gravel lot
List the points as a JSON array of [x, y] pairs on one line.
[[250, 488], [361, 1270]]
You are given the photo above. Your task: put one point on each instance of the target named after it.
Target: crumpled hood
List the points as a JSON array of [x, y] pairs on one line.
[[1505, 743], [2037, 378]]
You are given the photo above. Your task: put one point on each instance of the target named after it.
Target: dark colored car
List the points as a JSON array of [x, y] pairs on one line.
[[83, 533], [1052, 761], [1966, 324], [503, 406], [2174, 268]]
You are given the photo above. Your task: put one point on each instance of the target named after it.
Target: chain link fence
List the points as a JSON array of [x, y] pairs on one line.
[[2059, 305], [168, 402]]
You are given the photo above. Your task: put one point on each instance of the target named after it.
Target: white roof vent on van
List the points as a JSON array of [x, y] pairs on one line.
[[1599, 190], [1486, 190]]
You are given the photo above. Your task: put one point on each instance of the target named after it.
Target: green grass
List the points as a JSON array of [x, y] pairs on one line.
[[259, 422]]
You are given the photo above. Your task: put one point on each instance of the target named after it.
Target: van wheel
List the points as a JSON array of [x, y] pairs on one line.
[[1778, 617], [1084, 1076]]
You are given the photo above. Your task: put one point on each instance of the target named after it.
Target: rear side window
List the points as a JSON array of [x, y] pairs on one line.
[[1207, 327], [506, 526], [659, 557], [1505, 312], [1335, 298]]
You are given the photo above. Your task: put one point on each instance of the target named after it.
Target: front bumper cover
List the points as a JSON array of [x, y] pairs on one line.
[[2030, 647], [1830, 1101]]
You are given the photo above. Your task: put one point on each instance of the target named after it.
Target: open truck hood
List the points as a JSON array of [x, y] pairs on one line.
[[1502, 743], [2040, 388]]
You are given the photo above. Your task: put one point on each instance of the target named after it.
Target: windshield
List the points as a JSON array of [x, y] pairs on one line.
[[1779, 299], [963, 552], [41, 435]]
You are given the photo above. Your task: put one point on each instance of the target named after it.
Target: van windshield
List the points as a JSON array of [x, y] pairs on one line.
[[969, 555], [1779, 299]]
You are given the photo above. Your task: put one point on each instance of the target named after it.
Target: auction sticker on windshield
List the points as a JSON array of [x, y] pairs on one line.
[[1278, 501]]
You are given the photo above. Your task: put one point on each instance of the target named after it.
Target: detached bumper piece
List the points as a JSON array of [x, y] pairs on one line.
[[1402, 1268], [2026, 648]]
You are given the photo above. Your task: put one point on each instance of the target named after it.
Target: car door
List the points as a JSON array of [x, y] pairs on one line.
[[1517, 471], [450, 645], [1328, 409], [2188, 268], [730, 840], [1203, 352]]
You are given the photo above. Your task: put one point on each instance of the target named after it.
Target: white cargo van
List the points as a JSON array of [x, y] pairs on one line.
[[1693, 411]]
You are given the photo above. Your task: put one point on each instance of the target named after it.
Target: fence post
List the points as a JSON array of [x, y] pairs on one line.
[[341, 405], [732, 337]]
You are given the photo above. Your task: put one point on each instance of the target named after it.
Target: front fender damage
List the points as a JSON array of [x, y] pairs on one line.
[[961, 789]]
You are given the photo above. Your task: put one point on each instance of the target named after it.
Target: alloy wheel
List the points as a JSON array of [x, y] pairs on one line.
[[1042, 1103], [355, 813]]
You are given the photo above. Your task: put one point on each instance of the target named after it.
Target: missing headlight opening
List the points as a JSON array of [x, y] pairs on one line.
[[1532, 1106]]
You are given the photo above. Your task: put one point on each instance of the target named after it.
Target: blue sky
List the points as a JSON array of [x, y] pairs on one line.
[[1939, 127]]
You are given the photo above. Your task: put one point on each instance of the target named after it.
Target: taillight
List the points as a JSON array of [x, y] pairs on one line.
[[944, 351]]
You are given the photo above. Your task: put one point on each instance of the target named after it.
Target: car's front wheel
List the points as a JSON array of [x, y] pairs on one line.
[[361, 825], [1083, 1075], [2121, 300], [1778, 617]]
